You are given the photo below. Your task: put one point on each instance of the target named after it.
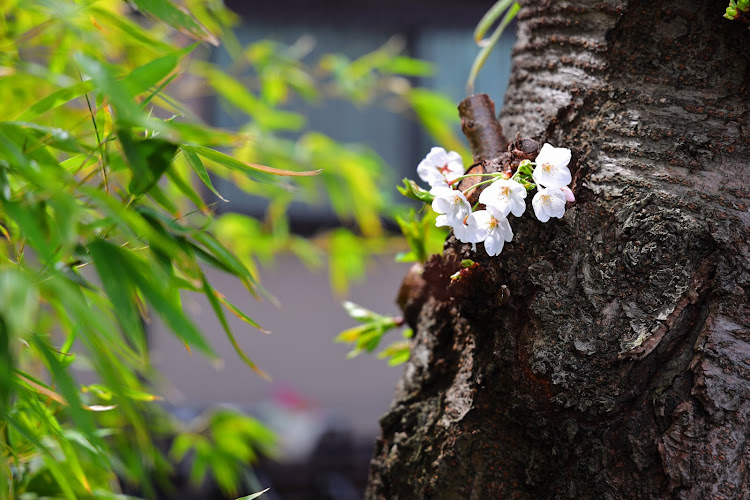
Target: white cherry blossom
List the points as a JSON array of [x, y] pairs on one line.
[[551, 169], [506, 196], [548, 202], [491, 227], [452, 206], [439, 167]]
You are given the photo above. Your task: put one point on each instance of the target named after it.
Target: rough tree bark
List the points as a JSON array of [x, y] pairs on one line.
[[607, 354]]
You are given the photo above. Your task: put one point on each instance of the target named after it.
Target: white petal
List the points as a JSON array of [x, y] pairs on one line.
[[439, 167], [560, 157], [442, 220], [440, 205], [504, 230], [538, 206], [517, 189], [437, 157], [552, 167], [557, 207], [427, 173], [518, 207], [441, 191], [493, 244], [477, 225], [550, 175]]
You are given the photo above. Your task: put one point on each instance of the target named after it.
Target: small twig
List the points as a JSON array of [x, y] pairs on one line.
[[481, 128]]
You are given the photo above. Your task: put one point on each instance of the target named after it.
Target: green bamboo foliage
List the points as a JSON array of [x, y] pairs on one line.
[[107, 216]]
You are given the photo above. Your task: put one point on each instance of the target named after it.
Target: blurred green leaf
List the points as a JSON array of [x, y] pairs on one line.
[[47, 136], [260, 173], [6, 366], [177, 17], [19, 302], [396, 353], [148, 158], [489, 44], [489, 18], [366, 337], [156, 292], [359, 313], [56, 99], [105, 79], [67, 387], [197, 165], [439, 116], [407, 66], [121, 291], [213, 299]]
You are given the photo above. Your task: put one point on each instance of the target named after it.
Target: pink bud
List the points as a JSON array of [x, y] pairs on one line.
[[569, 196]]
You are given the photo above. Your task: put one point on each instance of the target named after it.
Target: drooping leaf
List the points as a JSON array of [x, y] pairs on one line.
[[144, 77], [67, 387], [148, 158], [489, 44], [156, 293], [120, 290], [176, 17], [6, 367], [255, 171], [197, 165], [212, 296]]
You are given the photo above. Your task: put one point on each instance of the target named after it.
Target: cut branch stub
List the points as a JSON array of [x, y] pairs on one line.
[[481, 128]]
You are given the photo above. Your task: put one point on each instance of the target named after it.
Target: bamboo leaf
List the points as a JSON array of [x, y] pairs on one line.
[[6, 367], [56, 469], [211, 294], [489, 19], [67, 387], [56, 99], [120, 290], [251, 169], [146, 76], [197, 165], [488, 45], [237, 312], [148, 158], [157, 295], [176, 17]]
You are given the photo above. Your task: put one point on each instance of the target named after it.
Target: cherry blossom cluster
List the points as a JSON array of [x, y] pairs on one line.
[[503, 196]]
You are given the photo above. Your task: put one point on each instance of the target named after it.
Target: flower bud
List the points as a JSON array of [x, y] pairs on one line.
[[731, 13]]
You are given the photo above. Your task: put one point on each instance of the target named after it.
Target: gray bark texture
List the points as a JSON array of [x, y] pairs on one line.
[[604, 355]]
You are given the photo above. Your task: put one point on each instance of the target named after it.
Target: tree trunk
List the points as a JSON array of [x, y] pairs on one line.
[[606, 354]]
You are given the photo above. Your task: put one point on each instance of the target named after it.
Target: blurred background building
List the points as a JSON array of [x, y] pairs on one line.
[[324, 407]]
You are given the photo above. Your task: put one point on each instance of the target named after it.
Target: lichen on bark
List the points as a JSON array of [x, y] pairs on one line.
[[604, 355]]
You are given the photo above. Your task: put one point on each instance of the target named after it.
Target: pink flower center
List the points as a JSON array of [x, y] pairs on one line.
[[444, 169]]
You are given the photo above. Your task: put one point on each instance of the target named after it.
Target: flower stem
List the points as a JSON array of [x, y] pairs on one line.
[[478, 184], [461, 177]]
